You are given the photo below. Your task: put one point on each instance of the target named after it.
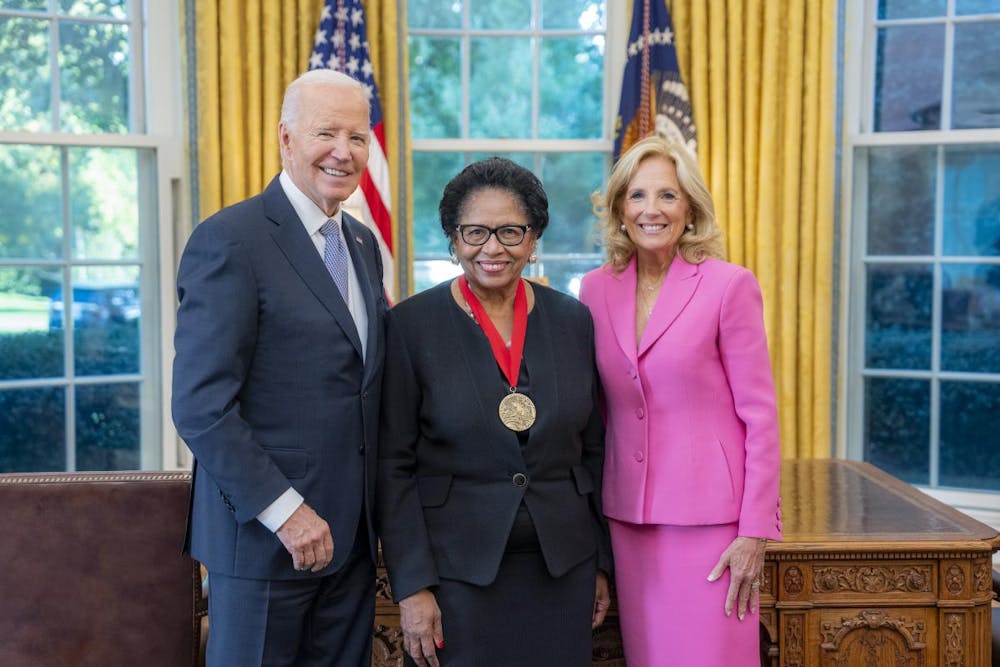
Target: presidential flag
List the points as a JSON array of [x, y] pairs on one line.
[[653, 95], [341, 43]]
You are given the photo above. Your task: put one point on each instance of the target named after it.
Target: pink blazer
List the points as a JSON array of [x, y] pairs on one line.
[[692, 424]]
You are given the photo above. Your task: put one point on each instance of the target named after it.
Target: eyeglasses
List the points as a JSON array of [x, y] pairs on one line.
[[508, 235]]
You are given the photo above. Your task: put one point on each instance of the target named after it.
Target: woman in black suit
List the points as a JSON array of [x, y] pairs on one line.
[[491, 446]]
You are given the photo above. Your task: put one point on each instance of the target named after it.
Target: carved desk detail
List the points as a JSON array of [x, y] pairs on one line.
[[874, 572], [868, 579]]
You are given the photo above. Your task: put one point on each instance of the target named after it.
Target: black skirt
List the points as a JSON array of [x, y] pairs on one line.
[[525, 618]]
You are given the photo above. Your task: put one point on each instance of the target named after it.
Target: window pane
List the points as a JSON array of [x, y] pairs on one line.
[[901, 200], [25, 75], [573, 14], [106, 312], [908, 9], [32, 430], [573, 108], [897, 427], [433, 14], [976, 87], [970, 439], [898, 321], [977, 6], [500, 88], [29, 5], [107, 427], [431, 172], [435, 87], [30, 196], [908, 78], [569, 180], [116, 9], [501, 14], [31, 342], [94, 77], [104, 207], [972, 201], [526, 160], [970, 318], [565, 274], [428, 273]]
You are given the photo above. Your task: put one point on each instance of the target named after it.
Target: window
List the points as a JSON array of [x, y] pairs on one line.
[[923, 119], [524, 80], [85, 167]]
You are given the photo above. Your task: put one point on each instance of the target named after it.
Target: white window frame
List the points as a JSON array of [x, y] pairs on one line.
[[858, 110], [616, 36], [156, 103]]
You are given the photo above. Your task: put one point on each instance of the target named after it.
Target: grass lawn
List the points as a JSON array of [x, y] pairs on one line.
[[23, 313]]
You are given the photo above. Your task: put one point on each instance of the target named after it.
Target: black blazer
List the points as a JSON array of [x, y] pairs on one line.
[[269, 385], [447, 493]]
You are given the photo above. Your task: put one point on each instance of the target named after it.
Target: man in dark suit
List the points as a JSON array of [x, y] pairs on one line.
[[277, 378]]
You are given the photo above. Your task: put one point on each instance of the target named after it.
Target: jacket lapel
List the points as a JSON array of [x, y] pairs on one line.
[[539, 358], [354, 236], [678, 288], [620, 301], [291, 237]]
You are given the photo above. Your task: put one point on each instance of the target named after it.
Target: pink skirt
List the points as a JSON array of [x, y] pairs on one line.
[[670, 613]]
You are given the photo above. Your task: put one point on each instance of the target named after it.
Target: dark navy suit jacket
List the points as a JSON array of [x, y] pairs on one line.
[[270, 388]]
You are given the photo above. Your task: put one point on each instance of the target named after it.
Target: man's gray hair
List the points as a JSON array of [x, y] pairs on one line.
[[329, 77]]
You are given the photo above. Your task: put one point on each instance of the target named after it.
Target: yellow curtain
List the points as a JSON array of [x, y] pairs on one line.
[[247, 52], [761, 78]]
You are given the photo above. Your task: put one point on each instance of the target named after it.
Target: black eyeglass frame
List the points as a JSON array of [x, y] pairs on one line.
[[493, 231]]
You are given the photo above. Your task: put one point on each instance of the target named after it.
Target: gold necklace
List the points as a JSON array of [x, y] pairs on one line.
[[648, 301]]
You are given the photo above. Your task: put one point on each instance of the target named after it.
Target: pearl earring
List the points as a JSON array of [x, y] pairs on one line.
[[454, 259], [690, 226], [621, 227], [533, 257]]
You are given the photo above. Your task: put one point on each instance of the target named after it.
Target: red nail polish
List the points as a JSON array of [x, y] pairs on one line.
[[440, 644]]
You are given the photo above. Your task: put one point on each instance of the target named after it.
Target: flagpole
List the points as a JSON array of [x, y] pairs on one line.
[[644, 75]]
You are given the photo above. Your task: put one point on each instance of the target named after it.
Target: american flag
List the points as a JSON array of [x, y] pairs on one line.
[[341, 43], [653, 95]]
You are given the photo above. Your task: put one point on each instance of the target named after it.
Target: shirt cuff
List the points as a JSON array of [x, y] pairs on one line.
[[276, 514]]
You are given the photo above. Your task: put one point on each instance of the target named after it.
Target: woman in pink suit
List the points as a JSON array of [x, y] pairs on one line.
[[692, 454]]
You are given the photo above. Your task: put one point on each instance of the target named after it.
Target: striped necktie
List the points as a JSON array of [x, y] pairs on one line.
[[335, 256]]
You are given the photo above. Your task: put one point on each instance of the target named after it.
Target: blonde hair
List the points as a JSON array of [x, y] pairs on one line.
[[696, 245]]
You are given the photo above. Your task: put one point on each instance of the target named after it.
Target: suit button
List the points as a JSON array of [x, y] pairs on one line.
[[639, 457], [520, 480], [364, 395], [640, 413], [361, 449]]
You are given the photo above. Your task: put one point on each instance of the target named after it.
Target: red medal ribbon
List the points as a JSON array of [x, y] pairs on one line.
[[509, 359]]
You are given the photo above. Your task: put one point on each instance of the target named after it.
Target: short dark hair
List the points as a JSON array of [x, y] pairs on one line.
[[494, 173]]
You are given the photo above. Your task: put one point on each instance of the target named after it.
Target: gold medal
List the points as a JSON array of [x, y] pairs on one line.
[[517, 412]]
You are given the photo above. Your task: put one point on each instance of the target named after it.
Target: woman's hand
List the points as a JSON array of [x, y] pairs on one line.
[[420, 618], [745, 559], [602, 600]]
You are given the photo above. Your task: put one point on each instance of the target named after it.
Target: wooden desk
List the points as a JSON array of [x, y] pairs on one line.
[[874, 572], [871, 573]]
